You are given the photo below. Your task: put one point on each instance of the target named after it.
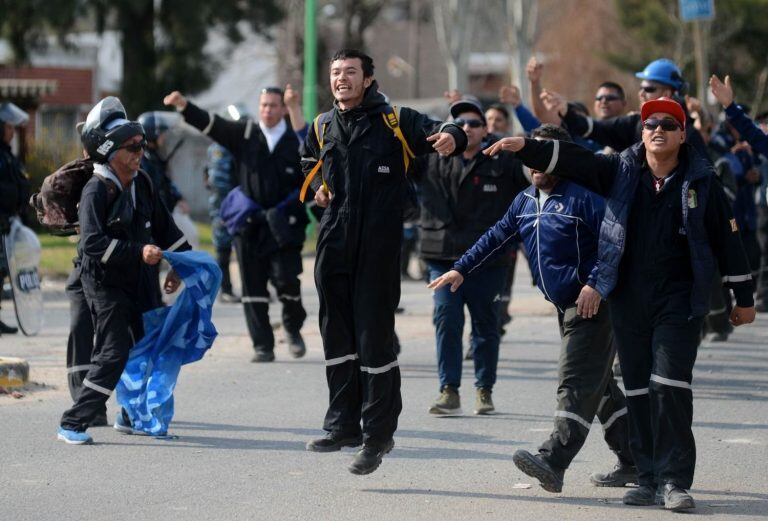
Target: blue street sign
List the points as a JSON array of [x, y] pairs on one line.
[[691, 10]]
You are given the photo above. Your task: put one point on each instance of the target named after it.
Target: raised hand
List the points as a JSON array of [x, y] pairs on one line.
[[175, 99], [723, 92], [510, 95], [443, 143]]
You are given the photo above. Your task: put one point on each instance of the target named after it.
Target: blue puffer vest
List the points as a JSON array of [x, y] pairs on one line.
[[695, 191]]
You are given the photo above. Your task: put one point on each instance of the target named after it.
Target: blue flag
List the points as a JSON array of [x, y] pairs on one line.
[[173, 336]]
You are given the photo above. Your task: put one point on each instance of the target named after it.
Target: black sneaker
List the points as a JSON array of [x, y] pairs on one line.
[[333, 442], [369, 458], [296, 345], [676, 499], [263, 355], [618, 477], [550, 478], [5, 329], [643, 496]]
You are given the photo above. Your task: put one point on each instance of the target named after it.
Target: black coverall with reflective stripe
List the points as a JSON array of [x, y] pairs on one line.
[[118, 286], [269, 179], [357, 269], [656, 335]]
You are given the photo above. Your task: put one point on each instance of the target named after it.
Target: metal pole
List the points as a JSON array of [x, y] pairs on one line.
[[702, 67], [310, 59]]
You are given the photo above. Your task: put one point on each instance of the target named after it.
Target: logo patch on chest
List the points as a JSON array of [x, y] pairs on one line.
[[490, 188], [693, 200], [383, 169]]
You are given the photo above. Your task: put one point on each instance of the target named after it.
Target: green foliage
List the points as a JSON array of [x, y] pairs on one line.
[[735, 40], [163, 42]]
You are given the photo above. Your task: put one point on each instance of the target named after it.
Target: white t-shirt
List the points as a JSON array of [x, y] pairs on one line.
[[273, 134], [543, 196]]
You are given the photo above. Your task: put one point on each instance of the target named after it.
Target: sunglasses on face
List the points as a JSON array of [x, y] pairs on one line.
[[650, 89], [666, 124], [472, 123], [607, 97], [134, 147]]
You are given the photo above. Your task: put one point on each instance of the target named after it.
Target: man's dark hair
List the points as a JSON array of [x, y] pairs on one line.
[[613, 86], [548, 131], [761, 117], [366, 60], [274, 90], [501, 108]]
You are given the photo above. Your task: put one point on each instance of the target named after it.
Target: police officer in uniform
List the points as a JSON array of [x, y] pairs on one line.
[[361, 182], [667, 224], [269, 246], [14, 185], [123, 226]]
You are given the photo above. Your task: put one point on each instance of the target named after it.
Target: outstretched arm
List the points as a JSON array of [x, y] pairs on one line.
[[561, 158]]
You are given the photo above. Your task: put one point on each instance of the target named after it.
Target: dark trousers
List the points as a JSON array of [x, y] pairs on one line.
[[657, 343], [222, 259], [762, 239], [282, 268], [719, 307], [80, 340], [586, 388], [117, 323], [357, 324], [481, 293], [506, 294]]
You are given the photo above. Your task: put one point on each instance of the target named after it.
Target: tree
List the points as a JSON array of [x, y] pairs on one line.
[[522, 29], [455, 24], [735, 42], [163, 41]]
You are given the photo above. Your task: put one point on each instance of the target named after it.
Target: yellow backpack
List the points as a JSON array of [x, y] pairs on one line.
[[391, 117]]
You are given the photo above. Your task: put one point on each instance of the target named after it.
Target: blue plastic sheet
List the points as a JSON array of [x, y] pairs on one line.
[[173, 336]]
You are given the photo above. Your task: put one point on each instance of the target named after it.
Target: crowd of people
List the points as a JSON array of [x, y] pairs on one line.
[[646, 230]]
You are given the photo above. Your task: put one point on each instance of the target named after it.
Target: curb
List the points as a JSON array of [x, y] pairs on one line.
[[14, 372]]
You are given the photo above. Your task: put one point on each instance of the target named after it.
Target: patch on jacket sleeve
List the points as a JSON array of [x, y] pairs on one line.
[[734, 226]]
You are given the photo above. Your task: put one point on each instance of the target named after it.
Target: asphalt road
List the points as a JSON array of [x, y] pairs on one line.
[[242, 428]]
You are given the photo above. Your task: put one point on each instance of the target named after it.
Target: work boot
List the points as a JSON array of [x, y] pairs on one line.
[[448, 403], [296, 345], [369, 457], [333, 442], [483, 401], [263, 355], [550, 478], [7, 330], [643, 496], [676, 499], [621, 474]]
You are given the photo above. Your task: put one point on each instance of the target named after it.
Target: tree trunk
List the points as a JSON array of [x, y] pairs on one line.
[[136, 21]]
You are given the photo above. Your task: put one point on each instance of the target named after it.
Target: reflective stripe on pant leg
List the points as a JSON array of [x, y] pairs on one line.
[[668, 381], [615, 416], [95, 387], [340, 360], [575, 417], [379, 370]]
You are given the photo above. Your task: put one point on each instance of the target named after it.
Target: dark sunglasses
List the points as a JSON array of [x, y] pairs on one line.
[[134, 147], [608, 97], [473, 123], [666, 124], [650, 89]]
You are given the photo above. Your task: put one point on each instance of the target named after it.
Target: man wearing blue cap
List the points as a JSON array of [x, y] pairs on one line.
[[660, 78]]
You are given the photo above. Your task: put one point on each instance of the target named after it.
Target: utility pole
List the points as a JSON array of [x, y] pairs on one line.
[[310, 59]]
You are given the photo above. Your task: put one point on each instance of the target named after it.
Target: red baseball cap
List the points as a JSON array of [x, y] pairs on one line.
[[665, 105]]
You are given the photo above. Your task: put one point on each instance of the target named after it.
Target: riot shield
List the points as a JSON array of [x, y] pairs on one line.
[[22, 251]]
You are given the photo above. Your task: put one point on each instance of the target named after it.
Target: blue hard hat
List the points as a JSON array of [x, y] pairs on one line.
[[663, 71], [157, 122]]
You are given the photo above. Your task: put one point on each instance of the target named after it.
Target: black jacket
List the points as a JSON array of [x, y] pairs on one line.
[[622, 132], [459, 201], [14, 185], [364, 169], [707, 220], [270, 179], [111, 250]]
